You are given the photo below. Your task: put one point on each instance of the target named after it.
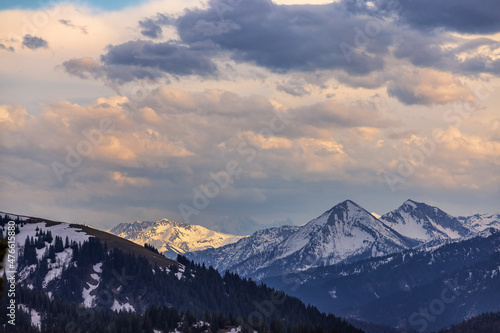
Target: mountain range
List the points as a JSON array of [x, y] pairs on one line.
[[426, 268], [345, 233], [74, 278], [172, 238], [349, 262]]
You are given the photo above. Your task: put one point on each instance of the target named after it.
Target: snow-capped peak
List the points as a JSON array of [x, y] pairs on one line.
[[410, 203], [171, 237], [345, 231], [424, 223]]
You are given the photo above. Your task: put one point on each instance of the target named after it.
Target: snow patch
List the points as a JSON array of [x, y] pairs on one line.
[[117, 307], [88, 299], [63, 259], [36, 319]]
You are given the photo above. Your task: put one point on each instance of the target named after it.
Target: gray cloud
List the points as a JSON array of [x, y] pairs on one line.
[[70, 24], [84, 68], [10, 48], [167, 57], [145, 60], [151, 27], [465, 16], [293, 88], [284, 38], [424, 50], [333, 114], [33, 42], [302, 40]]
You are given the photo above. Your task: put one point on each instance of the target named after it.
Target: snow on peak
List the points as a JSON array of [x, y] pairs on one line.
[[171, 237], [410, 203], [423, 223]]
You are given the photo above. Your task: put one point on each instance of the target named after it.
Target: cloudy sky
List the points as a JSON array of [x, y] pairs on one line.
[[195, 111]]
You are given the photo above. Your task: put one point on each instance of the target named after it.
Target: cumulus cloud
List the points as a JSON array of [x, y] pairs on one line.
[[168, 57], [472, 146], [284, 38], [427, 86], [34, 42], [332, 114], [151, 27], [142, 59], [352, 41], [84, 68]]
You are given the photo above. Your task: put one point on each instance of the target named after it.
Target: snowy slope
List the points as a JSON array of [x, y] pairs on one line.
[[424, 223], [262, 241], [480, 222], [345, 232], [57, 229], [47, 272], [172, 238], [342, 232]]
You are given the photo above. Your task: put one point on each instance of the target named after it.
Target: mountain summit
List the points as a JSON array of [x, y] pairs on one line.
[[424, 223]]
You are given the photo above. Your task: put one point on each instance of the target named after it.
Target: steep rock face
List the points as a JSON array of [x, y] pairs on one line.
[[424, 223], [172, 238]]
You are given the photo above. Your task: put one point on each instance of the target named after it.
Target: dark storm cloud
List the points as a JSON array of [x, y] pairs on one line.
[[33, 42], [464, 16], [284, 38], [151, 27]]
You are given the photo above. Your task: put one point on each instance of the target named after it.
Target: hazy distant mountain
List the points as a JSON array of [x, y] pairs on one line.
[[172, 238], [424, 223], [242, 226]]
